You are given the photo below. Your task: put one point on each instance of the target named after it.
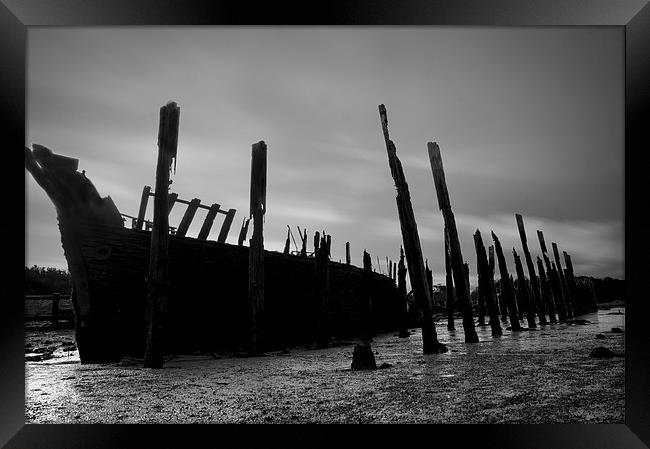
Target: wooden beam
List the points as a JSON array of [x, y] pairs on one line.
[[157, 278], [188, 216], [244, 231], [411, 239], [143, 207], [225, 227], [207, 223], [172, 200], [460, 280], [256, 252]]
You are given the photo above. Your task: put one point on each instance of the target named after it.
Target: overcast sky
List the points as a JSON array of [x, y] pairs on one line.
[[529, 120]]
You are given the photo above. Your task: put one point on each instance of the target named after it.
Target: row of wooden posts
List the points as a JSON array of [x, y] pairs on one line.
[[553, 292]]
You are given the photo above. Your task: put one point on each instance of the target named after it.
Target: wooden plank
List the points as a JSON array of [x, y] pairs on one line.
[[207, 223], [411, 240], [188, 216], [225, 227], [172, 200], [143, 207], [157, 280], [244, 231], [256, 253], [456, 256]]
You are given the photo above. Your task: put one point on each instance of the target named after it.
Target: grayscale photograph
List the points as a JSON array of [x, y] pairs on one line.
[[268, 224]]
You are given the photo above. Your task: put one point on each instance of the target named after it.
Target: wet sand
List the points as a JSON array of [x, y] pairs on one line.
[[538, 376]]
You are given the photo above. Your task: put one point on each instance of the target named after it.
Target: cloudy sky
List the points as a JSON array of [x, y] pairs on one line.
[[529, 120]]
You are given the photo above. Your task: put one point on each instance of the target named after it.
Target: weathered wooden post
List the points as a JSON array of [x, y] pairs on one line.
[[549, 296], [523, 291], [56, 297], [188, 216], [545, 283], [571, 280], [506, 287], [158, 275], [401, 292], [486, 284], [209, 220], [534, 282], [556, 288], [256, 250], [429, 275], [225, 227], [367, 297], [460, 280], [449, 283], [143, 207], [347, 253], [565, 288], [491, 267], [243, 232], [322, 256], [303, 237], [287, 242], [316, 242], [411, 239]]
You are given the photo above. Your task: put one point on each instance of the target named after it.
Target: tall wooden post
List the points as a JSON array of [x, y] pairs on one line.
[[491, 267], [256, 251], [549, 296], [209, 220], [367, 297], [460, 281], [411, 239], [506, 287], [429, 275], [563, 282], [523, 291], [158, 275], [534, 282], [449, 282], [322, 257], [401, 293], [486, 284], [571, 280], [545, 283]]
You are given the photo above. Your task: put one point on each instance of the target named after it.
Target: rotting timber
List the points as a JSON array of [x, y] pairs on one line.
[[207, 306]]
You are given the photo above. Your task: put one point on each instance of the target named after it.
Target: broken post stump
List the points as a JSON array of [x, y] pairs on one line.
[[523, 291], [534, 282], [158, 273], [460, 279], [506, 286], [411, 240], [486, 284], [256, 251], [363, 358], [347, 253]]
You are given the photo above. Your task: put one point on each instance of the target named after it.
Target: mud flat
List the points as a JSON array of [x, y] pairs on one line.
[[539, 376]]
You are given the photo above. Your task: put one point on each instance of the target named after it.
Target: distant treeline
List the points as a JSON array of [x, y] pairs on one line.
[[44, 281], [607, 289]]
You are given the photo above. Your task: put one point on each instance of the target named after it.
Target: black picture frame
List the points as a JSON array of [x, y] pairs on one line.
[[633, 15]]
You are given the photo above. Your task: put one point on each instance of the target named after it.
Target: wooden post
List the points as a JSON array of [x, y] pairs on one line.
[[321, 254], [367, 297], [549, 297], [316, 242], [429, 275], [523, 291], [56, 297], [347, 253], [287, 242], [227, 222], [563, 282], [401, 293], [571, 280], [256, 251], [303, 238], [243, 232], [491, 267], [157, 279], [449, 282], [188, 216], [207, 223], [545, 285], [506, 287], [486, 284], [462, 288], [411, 239], [143, 207], [534, 282]]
